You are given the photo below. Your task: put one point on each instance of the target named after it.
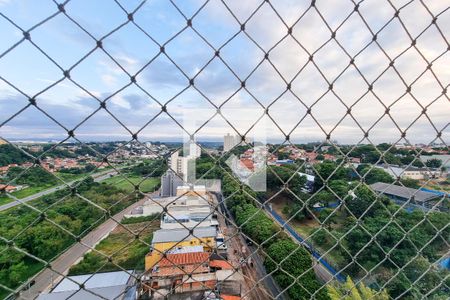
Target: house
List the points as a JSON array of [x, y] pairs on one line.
[[354, 160], [310, 156], [109, 285], [168, 239], [170, 271], [8, 188]]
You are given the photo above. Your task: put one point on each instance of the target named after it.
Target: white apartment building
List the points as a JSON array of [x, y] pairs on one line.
[[230, 141], [193, 150], [180, 165]]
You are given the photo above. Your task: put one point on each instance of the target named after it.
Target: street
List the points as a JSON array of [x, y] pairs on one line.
[[47, 278]]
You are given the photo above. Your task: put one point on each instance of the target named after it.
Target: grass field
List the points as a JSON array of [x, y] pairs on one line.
[[146, 186], [122, 247]]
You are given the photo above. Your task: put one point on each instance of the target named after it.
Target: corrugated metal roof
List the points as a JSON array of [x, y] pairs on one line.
[[402, 192], [98, 280], [182, 234], [186, 249], [110, 292]]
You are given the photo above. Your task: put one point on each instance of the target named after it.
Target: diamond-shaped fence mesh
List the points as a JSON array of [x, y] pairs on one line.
[[91, 208]]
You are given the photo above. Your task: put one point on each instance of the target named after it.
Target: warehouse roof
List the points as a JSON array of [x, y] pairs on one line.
[[403, 192], [98, 280], [182, 234], [110, 285]]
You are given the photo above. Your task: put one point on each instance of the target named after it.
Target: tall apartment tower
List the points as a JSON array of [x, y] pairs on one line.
[[169, 183], [183, 166], [229, 141]]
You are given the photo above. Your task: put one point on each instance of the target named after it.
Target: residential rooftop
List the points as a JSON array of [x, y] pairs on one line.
[[182, 234]]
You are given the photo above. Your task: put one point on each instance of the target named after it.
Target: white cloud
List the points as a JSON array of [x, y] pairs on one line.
[[163, 80]]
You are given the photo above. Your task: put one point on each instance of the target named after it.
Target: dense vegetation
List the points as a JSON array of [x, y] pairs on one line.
[[350, 291], [121, 246], [150, 168], [261, 229], [414, 240], [11, 155], [34, 176], [34, 232]]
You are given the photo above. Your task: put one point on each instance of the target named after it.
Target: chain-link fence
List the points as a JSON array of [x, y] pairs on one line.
[[104, 213]]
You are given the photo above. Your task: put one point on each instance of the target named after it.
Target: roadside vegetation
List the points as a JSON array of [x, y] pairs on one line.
[[121, 246], [36, 234], [351, 291], [415, 241], [34, 180]]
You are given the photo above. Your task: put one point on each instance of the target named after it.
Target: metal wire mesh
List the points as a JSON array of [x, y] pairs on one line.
[[292, 31]]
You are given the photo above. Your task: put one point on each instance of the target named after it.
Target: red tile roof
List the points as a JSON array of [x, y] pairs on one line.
[[222, 264], [229, 297], [7, 188], [248, 163], [184, 259]]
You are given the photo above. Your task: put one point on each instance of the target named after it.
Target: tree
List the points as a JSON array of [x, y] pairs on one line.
[[16, 273], [320, 157], [328, 170], [34, 176], [328, 217], [11, 155], [433, 163], [340, 188], [295, 261], [375, 175], [349, 291], [255, 223], [362, 200], [411, 183], [283, 155]]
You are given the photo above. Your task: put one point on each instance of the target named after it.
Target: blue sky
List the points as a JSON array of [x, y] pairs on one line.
[[26, 68]]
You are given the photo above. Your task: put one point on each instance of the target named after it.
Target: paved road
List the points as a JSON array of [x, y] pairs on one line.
[[45, 279], [97, 178]]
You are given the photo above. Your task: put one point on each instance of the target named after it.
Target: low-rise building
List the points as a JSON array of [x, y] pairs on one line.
[[411, 172], [168, 239], [402, 194]]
